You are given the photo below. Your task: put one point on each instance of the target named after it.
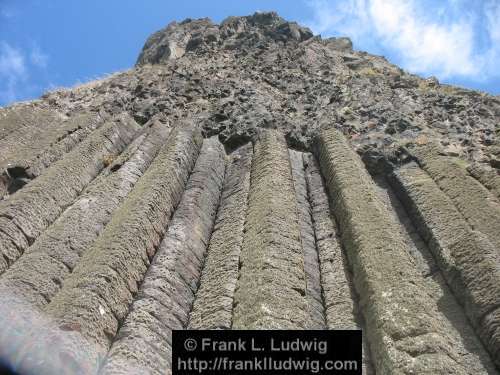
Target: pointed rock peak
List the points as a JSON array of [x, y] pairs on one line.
[[265, 18], [202, 35]]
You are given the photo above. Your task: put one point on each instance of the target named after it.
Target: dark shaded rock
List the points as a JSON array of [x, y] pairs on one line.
[[262, 71], [495, 162], [341, 44]]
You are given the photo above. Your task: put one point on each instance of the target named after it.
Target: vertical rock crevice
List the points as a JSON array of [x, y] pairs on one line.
[[308, 239], [479, 207], [30, 211], [342, 309], [271, 289], [166, 294], [213, 305], [96, 296], [450, 313], [467, 259], [393, 295], [40, 272]]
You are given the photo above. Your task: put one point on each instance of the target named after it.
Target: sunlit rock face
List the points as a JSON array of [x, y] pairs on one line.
[[250, 175]]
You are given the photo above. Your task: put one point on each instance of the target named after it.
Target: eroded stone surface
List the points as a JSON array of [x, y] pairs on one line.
[[270, 292], [338, 293], [166, 295], [316, 319], [213, 306], [89, 198], [468, 260], [452, 318], [26, 214], [28, 150], [478, 206], [394, 299], [95, 297], [489, 177], [40, 273]]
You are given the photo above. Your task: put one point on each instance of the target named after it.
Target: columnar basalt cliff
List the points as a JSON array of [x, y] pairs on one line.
[[250, 175]]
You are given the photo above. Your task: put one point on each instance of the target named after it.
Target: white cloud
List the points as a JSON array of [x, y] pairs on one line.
[[440, 38], [15, 68], [12, 71], [425, 46], [493, 21], [38, 57], [339, 17], [492, 56], [11, 61]]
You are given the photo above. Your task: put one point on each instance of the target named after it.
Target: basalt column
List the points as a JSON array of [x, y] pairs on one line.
[[393, 295], [26, 214], [97, 294], [165, 297], [271, 289], [468, 260], [213, 306], [41, 271]]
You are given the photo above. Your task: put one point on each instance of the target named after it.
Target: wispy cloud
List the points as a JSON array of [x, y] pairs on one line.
[[12, 70], [16, 65], [38, 57], [11, 61], [448, 38]]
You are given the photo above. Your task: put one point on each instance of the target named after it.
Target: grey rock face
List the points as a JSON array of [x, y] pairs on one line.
[[250, 175], [261, 71], [38, 275], [271, 289], [384, 274], [213, 306], [28, 213], [172, 279]]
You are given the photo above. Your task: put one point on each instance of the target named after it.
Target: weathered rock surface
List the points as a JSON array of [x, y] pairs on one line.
[[25, 215], [213, 306], [405, 340], [250, 175], [39, 274], [271, 287], [167, 292]]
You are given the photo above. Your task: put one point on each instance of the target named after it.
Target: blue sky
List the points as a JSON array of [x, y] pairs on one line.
[[52, 43]]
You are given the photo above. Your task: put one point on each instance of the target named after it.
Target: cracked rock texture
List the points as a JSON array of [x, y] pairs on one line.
[[250, 175]]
